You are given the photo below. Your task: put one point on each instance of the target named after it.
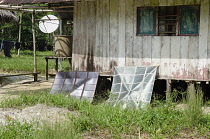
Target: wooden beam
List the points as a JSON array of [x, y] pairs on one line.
[[25, 10], [168, 89], [20, 30], [24, 7], [37, 10], [36, 7], [46, 68], [58, 7], [34, 40]]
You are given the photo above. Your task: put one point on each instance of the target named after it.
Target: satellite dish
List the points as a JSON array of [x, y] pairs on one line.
[[48, 24]]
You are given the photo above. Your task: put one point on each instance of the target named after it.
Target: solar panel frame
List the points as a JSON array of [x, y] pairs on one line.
[[79, 84], [132, 85]]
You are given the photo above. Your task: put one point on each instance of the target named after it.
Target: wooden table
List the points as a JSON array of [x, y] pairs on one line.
[[56, 63]]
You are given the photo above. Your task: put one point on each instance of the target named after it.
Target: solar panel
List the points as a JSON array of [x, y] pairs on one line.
[[132, 86], [77, 84]]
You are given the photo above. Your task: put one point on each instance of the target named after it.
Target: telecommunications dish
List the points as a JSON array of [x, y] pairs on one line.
[[48, 24]]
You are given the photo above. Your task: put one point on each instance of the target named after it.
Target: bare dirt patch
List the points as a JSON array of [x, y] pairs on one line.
[[17, 84], [35, 113]]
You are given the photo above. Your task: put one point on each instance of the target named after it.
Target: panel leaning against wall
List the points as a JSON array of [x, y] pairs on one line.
[[132, 86], [77, 84]]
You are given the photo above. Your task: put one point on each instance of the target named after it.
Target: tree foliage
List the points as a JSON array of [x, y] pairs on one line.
[[10, 32]]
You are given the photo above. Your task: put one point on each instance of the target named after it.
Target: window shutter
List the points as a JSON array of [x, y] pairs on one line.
[[189, 20], [146, 21]]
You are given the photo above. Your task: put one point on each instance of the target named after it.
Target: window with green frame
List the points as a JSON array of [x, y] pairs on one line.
[[168, 20]]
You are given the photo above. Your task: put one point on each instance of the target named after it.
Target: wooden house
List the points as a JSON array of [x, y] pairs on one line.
[[171, 34]]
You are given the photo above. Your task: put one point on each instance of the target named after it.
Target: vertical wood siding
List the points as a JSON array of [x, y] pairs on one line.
[[203, 40], [113, 33], [105, 36], [129, 33]]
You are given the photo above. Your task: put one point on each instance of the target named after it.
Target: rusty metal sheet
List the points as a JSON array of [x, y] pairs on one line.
[[77, 84], [32, 1], [132, 86]]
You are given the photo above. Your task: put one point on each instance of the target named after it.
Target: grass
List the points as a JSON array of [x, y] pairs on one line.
[[194, 102], [17, 130], [102, 120], [25, 63], [58, 130]]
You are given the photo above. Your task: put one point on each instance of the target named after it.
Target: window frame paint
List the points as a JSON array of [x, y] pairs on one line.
[[156, 21]]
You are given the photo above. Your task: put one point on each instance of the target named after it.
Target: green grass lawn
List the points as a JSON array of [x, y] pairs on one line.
[[104, 121], [25, 63]]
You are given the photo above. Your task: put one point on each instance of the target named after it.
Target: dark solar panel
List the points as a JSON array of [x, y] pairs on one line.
[[77, 84]]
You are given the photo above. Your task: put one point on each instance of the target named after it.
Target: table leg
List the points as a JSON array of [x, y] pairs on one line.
[[35, 77], [46, 70], [70, 68], [56, 65]]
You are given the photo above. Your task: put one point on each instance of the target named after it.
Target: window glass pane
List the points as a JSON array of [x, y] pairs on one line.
[[146, 23], [189, 20], [167, 20]]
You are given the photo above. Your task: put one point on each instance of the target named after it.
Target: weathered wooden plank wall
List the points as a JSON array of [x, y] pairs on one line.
[[175, 56], [203, 40], [129, 33], [84, 40], [113, 32], [76, 41], [105, 36], [99, 37]]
